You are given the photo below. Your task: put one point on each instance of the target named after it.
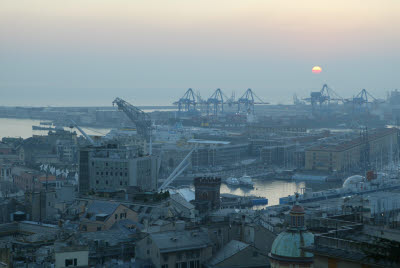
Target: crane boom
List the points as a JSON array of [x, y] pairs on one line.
[[177, 171], [141, 120], [83, 132]]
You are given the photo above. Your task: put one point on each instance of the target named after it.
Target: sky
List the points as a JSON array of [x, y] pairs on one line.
[[87, 52]]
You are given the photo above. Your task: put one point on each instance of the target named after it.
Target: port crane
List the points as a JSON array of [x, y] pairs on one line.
[[215, 102], [362, 102], [319, 99], [141, 120], [247, 101], [188, 102], [214, 105]]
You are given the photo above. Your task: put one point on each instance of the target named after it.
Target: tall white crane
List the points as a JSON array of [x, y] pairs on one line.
[[92, 142], [177, 171]]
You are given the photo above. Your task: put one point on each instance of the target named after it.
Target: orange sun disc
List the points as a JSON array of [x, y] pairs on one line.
[[316, 69]]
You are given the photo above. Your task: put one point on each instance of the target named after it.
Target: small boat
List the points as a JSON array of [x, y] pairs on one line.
[[232, 181], [246, 181]]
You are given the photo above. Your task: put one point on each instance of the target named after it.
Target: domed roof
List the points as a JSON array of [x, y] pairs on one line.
[[297, 209], [352, 180], [288, 244]]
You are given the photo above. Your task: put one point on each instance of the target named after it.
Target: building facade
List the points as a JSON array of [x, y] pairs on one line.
[[180, 249], [379, 145], [113, 169]]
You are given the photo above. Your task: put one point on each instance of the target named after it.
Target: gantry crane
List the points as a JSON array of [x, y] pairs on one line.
[[188, 102], [322, 98], [247, 101], [215, 102], [360, 103]]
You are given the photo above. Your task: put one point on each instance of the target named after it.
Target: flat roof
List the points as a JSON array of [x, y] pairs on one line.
[[199, 141], [180, 240], [345, 145]]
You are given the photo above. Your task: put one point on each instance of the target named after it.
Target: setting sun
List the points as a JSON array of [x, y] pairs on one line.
[[316, 69]]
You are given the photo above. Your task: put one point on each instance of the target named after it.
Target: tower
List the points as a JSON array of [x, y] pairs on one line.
[[207, 193], [286, 250]]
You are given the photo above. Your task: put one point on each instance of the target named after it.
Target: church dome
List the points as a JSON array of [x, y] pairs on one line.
[[289, 243]]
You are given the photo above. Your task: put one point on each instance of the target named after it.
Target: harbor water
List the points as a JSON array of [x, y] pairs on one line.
[[11, 127], [267, 187]]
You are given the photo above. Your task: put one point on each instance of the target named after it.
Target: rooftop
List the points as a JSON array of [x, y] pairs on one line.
[[98, 207], [199, 141], [345, 145], [228, 251], [181, 240]]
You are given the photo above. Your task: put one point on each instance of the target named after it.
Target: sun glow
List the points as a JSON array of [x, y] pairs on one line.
[[316, 69]]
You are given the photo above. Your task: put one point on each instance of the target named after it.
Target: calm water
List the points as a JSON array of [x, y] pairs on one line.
[[10, 127], [274, 189], [271, 189]]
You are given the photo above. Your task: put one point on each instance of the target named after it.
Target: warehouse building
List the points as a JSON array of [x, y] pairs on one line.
[[113, 168], [346, 155]]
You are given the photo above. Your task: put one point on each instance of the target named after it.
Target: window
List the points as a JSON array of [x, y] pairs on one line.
[[181, 265], [71, 262], [120, 183], [98, 228], [194, 264], [255, 253], [97, 182], [107, 164], [107, 182], [107, 173], [116, 216], [165, 257], [164, 266]]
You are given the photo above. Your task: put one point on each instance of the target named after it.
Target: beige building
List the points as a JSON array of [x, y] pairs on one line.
[[345, 155], [175, 249], [71, 256], [102, 215]]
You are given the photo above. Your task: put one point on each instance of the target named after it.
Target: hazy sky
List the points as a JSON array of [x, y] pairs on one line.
[[87, 52]]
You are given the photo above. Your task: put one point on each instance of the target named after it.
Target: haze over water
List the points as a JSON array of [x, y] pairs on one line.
[[85, 53]]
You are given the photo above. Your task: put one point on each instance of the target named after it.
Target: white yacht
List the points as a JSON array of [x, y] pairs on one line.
[[246, 181], [232, 181]]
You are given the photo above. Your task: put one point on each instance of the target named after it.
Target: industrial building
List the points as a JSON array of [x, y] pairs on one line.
[[378, 146], [114, 167], [217, 153]]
